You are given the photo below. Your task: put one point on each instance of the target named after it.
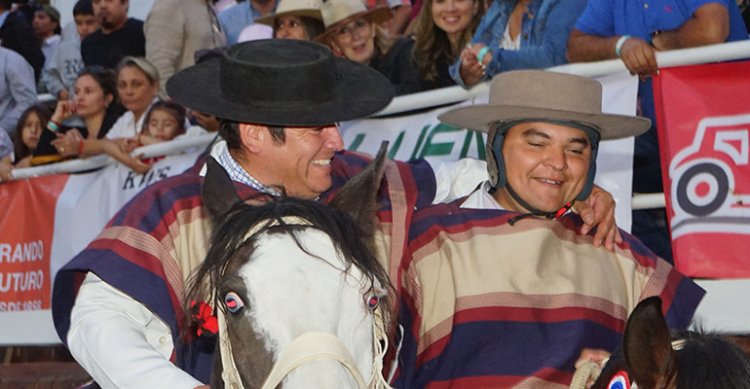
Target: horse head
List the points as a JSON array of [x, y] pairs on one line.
[[651, 358], [296, 286]]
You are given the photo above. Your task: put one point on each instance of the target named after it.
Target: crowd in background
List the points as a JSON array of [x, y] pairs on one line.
[[108, 72]]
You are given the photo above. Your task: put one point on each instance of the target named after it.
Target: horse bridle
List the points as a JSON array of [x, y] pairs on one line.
[[591, 369], [310, 346]]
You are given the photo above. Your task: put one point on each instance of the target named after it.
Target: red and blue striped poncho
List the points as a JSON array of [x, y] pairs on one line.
[[490, 305], [149, 248]]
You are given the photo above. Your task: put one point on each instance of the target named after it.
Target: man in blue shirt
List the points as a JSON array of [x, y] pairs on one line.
[[235, 18], [634, 31]]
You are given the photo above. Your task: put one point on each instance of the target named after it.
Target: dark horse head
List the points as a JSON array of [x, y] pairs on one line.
[[652, 358], [285, 272]]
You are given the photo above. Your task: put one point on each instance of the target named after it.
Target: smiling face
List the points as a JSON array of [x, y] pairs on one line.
[[31, 131], [355, 40], [301, 163], [453, 16], [545, 164], [135, 89]]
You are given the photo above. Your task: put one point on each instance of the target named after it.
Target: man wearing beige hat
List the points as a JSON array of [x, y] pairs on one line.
[[501, 288]]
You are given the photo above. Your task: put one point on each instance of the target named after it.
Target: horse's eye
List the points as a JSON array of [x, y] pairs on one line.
[[233, 302], [373, 301]]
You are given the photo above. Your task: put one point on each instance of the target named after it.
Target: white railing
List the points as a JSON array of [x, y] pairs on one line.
[[454, 94]]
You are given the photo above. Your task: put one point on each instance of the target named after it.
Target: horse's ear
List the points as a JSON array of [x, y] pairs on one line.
[[647, 344], [219, 195], [358, 197]]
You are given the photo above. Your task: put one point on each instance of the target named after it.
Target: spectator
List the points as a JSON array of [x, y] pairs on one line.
[[354, 32], [401, 11], [117, 37], [175, 30], [163, 122], [28, 132], [16, 34], [503, 288], [17, 90], [137, 85], [6, 146], [95, 105], [47, 28], [609, 29], [296, 19], [527, 34], [6, 157], [59, 75], [441, 31], [235, 18]]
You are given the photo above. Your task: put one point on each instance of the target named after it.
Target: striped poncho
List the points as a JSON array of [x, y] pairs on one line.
[[490, 305], [149, 248]]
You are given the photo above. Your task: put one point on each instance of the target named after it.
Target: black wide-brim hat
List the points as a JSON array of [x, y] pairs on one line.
[[281, 82]]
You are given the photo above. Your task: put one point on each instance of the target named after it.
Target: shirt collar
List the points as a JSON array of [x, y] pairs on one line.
[[236, 172]]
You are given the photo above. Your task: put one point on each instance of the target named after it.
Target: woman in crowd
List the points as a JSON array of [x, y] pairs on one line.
[[442, 29], [95, 105], [355, 33], [517, 34], [137, 86], [28, 132], [296, 19]]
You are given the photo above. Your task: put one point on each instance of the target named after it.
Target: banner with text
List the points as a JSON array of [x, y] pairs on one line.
[[704, 130]]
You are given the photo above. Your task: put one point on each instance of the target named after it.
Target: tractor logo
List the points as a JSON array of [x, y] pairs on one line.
[[711, 178]]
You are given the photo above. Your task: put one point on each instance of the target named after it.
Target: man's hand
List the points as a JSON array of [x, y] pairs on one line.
[[599, 211], [639, 57]]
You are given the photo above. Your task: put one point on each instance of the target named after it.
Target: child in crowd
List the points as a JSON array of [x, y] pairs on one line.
[[165, 121], [28, 132]]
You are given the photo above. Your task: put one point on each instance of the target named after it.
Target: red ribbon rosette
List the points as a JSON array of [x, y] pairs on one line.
[[202, 314]]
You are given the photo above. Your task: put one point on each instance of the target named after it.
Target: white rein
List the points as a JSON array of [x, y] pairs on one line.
[[310, 346]]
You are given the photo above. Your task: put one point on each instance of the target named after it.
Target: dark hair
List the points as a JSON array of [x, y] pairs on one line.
[[6, 4], [106, 78], [431, 43], [313, 27], [19, 148], [83, 7], [174, 109], [230, 132]]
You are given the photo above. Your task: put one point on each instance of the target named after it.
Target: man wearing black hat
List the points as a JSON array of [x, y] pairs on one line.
[[280, 101], [502, 288]]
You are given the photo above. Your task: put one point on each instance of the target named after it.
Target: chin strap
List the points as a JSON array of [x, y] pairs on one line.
[[535, 211]]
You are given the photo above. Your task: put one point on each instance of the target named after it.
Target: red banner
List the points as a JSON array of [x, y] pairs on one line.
[[703, 116], [27, 221]]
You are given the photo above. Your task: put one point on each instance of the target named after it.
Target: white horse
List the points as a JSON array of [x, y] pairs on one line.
[[298, 292]]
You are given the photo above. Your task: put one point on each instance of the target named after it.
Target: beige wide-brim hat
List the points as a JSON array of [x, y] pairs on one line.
[[307, 8], [525, 95], [338, 12]]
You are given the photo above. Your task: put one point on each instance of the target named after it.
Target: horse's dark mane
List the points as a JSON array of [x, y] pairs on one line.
[[710, 360], [707, 360], [229, 236]]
